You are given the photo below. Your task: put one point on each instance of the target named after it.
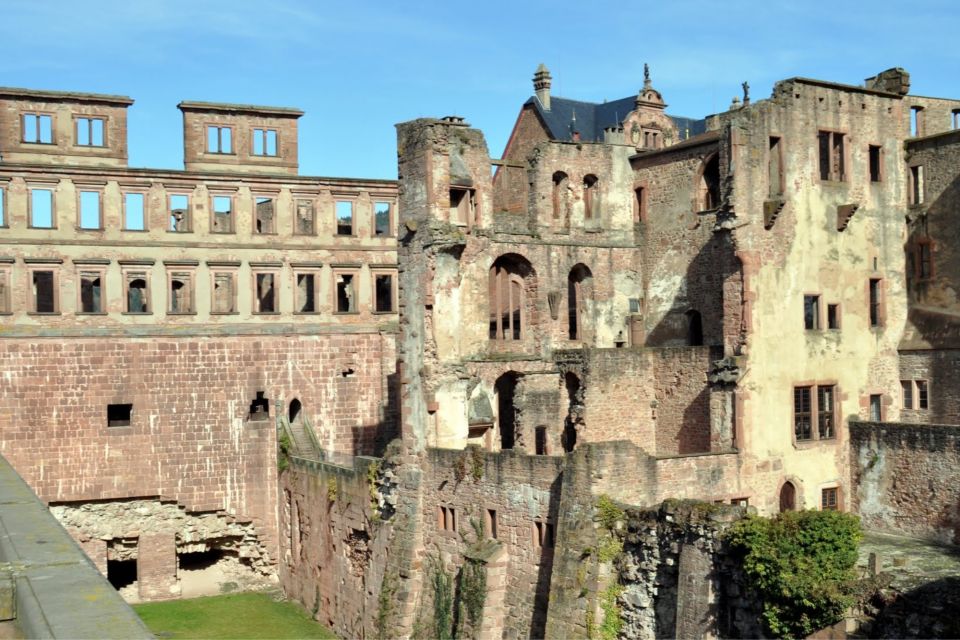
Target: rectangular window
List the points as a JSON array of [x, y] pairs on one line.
[[346, 292], [924, 264], [224, 298], [828, 499], [923, 395], [543, 534], [41, 209], [490, 523], [876, 407], [955, 121], [3, 213], [876, 316], [219, 139], [916, 184], [137, 291], [263, 212], [222, 214], [916, 121], [91, 291], [118, 415], [5, 292], [775, 168], [906, 394], [265, 293], [802, 413], [382, 219], [463, 205], [89, 132], [639, 205], [540, 438], [44, 292], [306, 293], [831, 156], [383, 290], [90, 214], [180, 213], [134, 213], [181, 292], [811, 312], [876, 167], [304, 224], [833, 316], [825, 406], [264, 142], [38, 128], [344, 218], [447, 519]]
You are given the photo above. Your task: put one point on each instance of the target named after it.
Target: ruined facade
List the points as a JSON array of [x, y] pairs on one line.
[[634, 307]]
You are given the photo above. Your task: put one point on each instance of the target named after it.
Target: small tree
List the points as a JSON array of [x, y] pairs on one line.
[[801, 564]]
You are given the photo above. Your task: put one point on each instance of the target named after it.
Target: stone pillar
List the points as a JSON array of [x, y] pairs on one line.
[[157, 566], [696, 605], [96, 550], [494, 606]]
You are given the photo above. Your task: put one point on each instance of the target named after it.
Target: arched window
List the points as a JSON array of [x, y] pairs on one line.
[[577, 290], [508, 313], [694, 328], [788, 497], [590, 186], [560, 185], [293, 414], [708, 189]]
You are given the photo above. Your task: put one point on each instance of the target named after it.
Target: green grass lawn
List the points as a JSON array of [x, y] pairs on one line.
[[236, 615]]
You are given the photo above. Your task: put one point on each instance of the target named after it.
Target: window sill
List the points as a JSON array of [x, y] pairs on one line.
[[223, 233], [43, 313], [90, 146], [834, 183], [811, 444], [92, 313], [43, 228], [383, 313], [312, 234], [384, 236], [345, 235], [39, 144], [134, 230], [265, 233], [266, 313], [137, 313], [346, 313], [224, 313], [306, 313], [81, 229], [179, 232], [181, 313], [120, 431]]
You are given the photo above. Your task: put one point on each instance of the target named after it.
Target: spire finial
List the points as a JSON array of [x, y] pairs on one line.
[[646, 76]]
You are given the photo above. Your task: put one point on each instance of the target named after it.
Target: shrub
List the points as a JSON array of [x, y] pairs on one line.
[[801, 564]]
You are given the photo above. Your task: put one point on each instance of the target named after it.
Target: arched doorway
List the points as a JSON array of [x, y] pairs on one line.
[[505, 387], [293, 414], [694, 328], [788, 497]]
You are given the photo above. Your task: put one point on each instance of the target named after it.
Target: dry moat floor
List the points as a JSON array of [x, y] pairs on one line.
[[236, 615]]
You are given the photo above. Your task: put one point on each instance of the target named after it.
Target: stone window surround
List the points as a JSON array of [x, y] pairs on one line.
[[265, 268], [833, 179], [42, 186], [882, 175], [383, 270], [337, 199], [189, 269], [77, 117], [915, 390], [297, 197], [641, 193], [881, 306], [837, 496], [818, 321], [782, 177], [180, 191], [142, 190], [376, 199], [253, 134], [815, 413], [213, 194], [4, 210], [6, 276], [38, 113], [219, 126], [916, 185], [544, 533], [92, 266], [231, 268], [133, 270], [839, 316], [345, 269], [86, 187], [275, 197], [52, 265], [921, 245], [307, 268]]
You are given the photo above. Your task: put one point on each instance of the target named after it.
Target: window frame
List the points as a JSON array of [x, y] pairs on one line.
[[253, 142], [816, 323], [82, 189], [124, 192], [314, 271], [816, 412], [77, 117], [640, 196], [376, 272], [6, 297], [880, 158], [274, 197], [875, 307], [351, 271], [231, 197], [544, 533], [391, 218], [297, 199], [924, 250], [838, 316], [101, 272], [232, 272], [54, 269], [52, 190], [219, 128], [256, 271], [189, 211], [832, 177], [833, 502], [336, 217], [917, 185], [137, 272], [4, 218], [38, 115], [775, 143], [190, 273], [503, 276]]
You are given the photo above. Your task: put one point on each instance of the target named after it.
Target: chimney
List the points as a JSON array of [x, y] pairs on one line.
[[541, 85]]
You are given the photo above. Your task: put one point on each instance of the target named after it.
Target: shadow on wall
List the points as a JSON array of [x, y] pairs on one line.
[[372, 440], [929, 611], [541, 601]]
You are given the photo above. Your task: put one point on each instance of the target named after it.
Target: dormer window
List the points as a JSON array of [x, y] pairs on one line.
[[264, 142], [38, 128], [90, 132], [219, 139]]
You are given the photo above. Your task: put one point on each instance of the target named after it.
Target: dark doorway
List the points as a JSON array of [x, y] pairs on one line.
[[788, 497], [541, 443], [199, 560], [569, 437], [294, 413], [694, 328], [505, 388], [122, 573]]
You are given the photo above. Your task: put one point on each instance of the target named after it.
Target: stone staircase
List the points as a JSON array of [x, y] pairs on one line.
[[305, 443]]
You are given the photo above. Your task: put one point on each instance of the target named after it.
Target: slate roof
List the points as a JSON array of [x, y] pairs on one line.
[[593, 117]]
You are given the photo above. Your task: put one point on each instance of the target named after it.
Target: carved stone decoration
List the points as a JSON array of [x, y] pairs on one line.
[[725, 371], [553, 299]]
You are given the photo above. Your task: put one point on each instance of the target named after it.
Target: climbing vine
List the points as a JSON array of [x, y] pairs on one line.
[[284, 446], [476, 463], [442, 600]]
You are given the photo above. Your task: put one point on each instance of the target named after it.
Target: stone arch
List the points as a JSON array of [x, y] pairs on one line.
[[511, 284], [294, 413], [579, 290], [591, 187], [708, 184], [788, 497]]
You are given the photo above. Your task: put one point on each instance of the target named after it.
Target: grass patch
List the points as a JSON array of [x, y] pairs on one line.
[[237, 615]]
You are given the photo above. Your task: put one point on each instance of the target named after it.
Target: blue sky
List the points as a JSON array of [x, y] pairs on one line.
[[357, 68]]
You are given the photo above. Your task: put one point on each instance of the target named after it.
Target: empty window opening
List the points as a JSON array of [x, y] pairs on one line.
[[876, 167], [490, 523], [260, 407], [264, 142], [833, 316], [923, 396], [463, 206], [561, 187], [122, 573], [831, 156], [876, 318], [346, 294], [916, 184], [569, 437], [640, 204], [694, 328], [38, 128], [3, 214], [264, 215], [916, 121], [876, 407], [219, 139], [924, 264], [90, 132], [906, 394], [90, 292], [222, 214], [383, 284], [775, 168], [344, 218], [41, 208], [708, 191], [382, 219], [44, 292], [955, 119], [507, 297], [137, 295], [577, 290], [304, 222], [505, 389], [590, 190], [543, 534], [541, 441], [788, 497], [118, 415], [447, 519], [306, 293], [133, 212], [180, 213], [4, 292], [829, 499], [266, 293], [224, 293], [181, 296], [90, 210], [811, 313], [293, 413]]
